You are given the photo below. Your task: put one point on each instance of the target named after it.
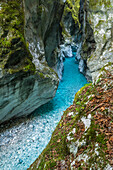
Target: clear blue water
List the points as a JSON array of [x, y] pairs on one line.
[[21, 144]]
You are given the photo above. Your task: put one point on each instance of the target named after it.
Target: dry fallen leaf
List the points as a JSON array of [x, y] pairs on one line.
[[111, 139], [102, 109], [58, 140], [108, 145]]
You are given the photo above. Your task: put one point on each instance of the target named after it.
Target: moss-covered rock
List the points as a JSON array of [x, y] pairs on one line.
[[83, 137], [69, 28], [24, 80], [14, 53], [70, 18]]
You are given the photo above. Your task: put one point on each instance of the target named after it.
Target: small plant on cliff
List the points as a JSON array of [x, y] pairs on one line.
[[73, 7]]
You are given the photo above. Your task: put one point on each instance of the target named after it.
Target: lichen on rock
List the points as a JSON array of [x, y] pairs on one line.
[[97, 29]]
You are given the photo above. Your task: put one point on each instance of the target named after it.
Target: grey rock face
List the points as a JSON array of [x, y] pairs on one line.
[[29, 82], [43, 32], [59, 66], [22, 93], [42, 28], [67, 50], [101, 22], [96, 27]]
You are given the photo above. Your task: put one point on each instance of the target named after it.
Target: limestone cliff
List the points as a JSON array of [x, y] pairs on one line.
[[96, 46], [29, 33], [42, 28]]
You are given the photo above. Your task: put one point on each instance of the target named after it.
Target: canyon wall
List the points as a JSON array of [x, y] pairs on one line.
[[42, 28], [96, 46], [29, 34]]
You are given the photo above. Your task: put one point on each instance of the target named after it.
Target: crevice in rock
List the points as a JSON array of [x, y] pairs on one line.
[[85, 41]]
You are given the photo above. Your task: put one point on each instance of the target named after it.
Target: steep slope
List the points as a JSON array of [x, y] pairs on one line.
[[83, 138]]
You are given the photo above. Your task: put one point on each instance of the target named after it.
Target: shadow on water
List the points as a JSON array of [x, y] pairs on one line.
[[41, 110]]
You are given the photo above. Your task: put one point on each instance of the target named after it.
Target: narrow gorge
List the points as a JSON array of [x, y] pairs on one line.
[[56, 56]]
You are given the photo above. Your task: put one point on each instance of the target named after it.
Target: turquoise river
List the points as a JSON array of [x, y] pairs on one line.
[[21, 141]]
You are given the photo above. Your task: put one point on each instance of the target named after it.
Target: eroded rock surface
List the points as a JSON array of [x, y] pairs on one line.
[[26, 80], [97, 29], [42, 28]]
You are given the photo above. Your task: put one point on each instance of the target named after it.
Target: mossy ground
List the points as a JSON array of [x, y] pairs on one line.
[[95, 144], [14, 53]]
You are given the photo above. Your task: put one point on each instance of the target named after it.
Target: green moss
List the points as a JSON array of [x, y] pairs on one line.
[[91, 57], [30, 66], [91, 134], [50, 165], [100, 138], [48, 70], [73, 7], [12, 15], [80, 91], [108, 64], [14, 54], [98, 3], [41, 75], [99, 23]]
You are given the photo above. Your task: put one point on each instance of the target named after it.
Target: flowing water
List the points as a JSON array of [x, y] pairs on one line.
[[22, 141]]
